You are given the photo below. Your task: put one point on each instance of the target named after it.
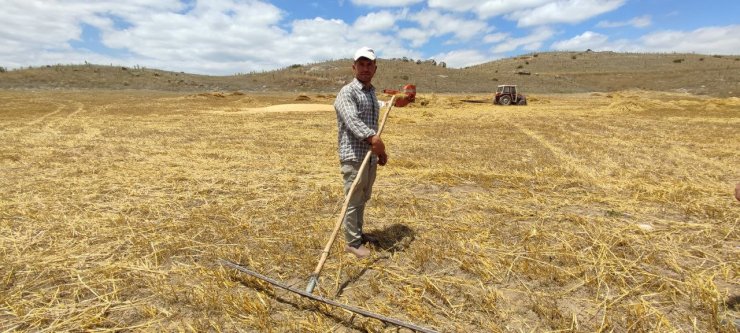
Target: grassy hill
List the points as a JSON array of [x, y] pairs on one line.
[[550, 72]]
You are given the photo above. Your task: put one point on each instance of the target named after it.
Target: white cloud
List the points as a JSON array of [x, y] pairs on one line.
[[637, 22], [398, 51], [438, 24], [213, 37], [455, 5], [566, 11], [320, 39], [433, 23], [708, 40], [311, 39], [531, 12], [53, 24], [714, 40], [641, 22], [417, 37], [486, 8], [462, 58], [378, 21], [167, 33], [386, 3], [495, 38], [226, 33], [531, 42], [587, 40]]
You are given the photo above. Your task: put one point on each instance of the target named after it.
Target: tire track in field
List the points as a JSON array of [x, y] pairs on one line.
[[67, 118], [90, 131], [573, 163], [49, 119], [80, 108], [51, 123], [14, 131], [60, 107], [87, 132]]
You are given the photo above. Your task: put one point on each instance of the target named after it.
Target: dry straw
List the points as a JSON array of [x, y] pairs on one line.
[[575, 213]]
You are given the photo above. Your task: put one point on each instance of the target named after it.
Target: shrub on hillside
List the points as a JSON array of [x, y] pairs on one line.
[[3, 69], [678, 61]]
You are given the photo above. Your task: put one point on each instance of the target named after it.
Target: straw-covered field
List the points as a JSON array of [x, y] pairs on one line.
[[591, 212]]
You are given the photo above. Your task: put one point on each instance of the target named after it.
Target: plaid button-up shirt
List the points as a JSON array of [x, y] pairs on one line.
[[357, 119]]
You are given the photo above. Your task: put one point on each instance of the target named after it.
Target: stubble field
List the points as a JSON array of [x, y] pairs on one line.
[[589, 212]]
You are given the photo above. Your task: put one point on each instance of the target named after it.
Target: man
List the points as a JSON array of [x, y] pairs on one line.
[[357, 110]]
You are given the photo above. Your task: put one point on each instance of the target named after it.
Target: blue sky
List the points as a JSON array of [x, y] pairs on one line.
[[222, 37]]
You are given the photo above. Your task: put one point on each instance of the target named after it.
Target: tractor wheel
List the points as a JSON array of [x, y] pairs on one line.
[[522, 102], [504, 100]]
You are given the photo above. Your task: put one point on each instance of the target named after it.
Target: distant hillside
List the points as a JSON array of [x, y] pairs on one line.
[[610, 71], [550, 72]]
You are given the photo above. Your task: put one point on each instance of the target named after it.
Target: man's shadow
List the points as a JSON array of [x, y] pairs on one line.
[[392, 239]]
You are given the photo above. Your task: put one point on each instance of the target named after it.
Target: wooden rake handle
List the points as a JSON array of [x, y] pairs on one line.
[[313, 280]]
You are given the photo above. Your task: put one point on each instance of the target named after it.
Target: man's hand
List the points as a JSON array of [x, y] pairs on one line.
[[383, 159], [378, 148], [376, 145]]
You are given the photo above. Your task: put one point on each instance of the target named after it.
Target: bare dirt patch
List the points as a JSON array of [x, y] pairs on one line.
[[293, 108]]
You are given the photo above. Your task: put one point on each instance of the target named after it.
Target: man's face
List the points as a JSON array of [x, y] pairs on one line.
[[364, 70]]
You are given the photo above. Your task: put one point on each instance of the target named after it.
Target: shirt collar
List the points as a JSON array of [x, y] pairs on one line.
[[361, 86]]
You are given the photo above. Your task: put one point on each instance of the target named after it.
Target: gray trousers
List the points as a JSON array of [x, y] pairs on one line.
[[354, 218]]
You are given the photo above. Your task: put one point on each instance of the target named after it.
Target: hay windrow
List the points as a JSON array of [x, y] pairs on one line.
[[585, 213]]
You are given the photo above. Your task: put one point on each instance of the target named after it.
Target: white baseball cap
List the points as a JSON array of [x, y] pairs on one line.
[[365, 52]]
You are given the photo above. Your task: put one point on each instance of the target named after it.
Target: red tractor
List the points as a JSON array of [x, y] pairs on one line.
[[506, 94]]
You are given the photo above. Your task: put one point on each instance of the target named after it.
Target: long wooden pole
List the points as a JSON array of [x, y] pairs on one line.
[[314, 278], [325, 300]]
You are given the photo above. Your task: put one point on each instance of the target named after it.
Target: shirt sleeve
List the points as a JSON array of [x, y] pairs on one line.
[[349, 114]]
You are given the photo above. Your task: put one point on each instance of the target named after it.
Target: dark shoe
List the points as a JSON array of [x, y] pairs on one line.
[[359, 252], [369, 239]]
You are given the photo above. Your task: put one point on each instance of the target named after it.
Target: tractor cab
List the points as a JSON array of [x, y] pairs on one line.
[[506, 94]]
